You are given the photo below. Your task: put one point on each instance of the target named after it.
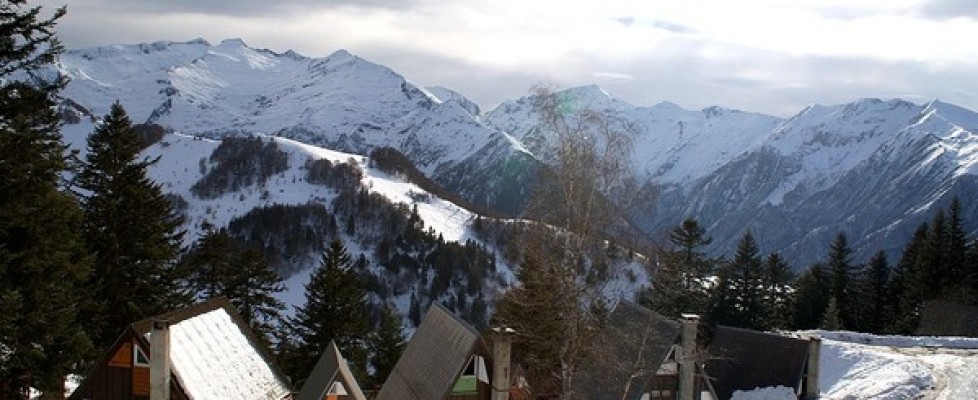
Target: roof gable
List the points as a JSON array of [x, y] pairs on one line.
[[628, 352], [331, 367], [742, 359], [433, 359], [215, 355]]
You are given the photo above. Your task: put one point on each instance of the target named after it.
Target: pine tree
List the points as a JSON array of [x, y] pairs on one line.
[[813, 289], [679, 284], [386, 345], [777, 285], [131, 227], [43, 262], [832, 319], [739, 298], [335, 309], [876, 313], [906, 286], [219, 265], [534, 310], [957, 288], [844, 278], [933, 258]]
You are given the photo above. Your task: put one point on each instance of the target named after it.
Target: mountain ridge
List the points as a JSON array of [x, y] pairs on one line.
[[710, 163]]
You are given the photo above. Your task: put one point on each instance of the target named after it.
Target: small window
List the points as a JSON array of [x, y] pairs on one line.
[[139, 359], [337, 389]]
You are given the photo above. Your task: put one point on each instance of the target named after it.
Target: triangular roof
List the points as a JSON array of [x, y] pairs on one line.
[[213, 354], [331, 367], [629, 350], [742, 359], [433, 360]]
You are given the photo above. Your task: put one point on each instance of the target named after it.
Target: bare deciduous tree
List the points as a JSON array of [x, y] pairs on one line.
[[567, 257]]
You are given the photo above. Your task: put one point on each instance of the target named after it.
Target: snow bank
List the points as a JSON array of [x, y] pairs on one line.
[[768, 393], [899, 341], [856, 371]]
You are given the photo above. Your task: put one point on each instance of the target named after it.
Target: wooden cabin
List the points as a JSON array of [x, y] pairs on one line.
[[435, 363], [213, 354]]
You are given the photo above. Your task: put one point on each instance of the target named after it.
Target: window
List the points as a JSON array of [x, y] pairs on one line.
[[139, 358], [337, 389]]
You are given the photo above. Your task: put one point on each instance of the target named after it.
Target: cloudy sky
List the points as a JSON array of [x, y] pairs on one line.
[[772, 56]]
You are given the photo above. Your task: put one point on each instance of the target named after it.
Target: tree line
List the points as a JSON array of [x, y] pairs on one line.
[[756, 291]]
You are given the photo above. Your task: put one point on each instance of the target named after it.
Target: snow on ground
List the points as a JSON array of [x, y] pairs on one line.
[[768, 393], [865, 366]]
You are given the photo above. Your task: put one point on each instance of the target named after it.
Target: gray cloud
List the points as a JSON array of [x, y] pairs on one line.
[[946, 9]]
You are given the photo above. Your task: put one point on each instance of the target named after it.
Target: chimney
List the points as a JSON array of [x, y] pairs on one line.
[[159, 360], [501, 345], [687, 362], [811, 384]]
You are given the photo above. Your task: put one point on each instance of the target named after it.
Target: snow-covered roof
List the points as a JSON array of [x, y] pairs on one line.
[[214, 355]]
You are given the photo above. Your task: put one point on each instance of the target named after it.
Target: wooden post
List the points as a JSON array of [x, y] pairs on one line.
[[687, 362], [159, 361], [811, 384], [501, 344]]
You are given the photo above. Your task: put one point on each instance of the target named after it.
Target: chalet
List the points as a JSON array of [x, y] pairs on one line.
[[446, 359], [741, 359], [208, 350], [331, 379]]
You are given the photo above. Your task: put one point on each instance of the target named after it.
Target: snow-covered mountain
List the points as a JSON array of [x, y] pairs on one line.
[[341, 101], [874, 169]]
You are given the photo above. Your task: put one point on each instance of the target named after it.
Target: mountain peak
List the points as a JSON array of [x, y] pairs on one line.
[[232, 42], [956, 115]]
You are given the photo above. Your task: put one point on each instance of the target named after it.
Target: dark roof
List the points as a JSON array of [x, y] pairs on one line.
[[331, 367], [941, 318], [741, 359], [433, 359], [630, 348]]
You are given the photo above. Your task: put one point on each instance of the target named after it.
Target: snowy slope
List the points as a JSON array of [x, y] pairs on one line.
[[342, 100]]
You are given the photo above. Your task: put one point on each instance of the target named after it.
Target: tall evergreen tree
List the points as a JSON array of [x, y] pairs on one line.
[[957, 288], [680, 282], [219, 265], [335, 309], [740, 299], [386, 345], [131, 228], [43, 262], [832, 320], [534, 309], [777, 279], [844, 279], [876, 312], [813, 289], [906, 286], [933, 258]]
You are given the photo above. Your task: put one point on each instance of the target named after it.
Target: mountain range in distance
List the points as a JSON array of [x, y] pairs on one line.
[[874, 169]]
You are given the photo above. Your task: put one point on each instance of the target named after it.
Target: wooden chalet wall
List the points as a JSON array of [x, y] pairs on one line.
[[119, 377]]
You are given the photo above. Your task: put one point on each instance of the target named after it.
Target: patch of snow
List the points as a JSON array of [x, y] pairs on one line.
[[767, 393]]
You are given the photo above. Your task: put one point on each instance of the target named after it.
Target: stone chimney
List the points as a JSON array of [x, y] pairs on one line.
[[159, 360], [687, 357], [502, 342]]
